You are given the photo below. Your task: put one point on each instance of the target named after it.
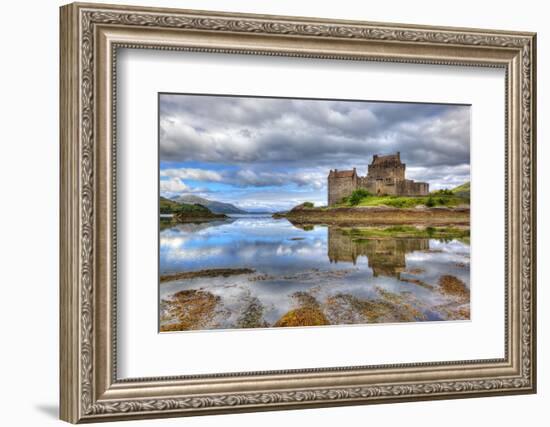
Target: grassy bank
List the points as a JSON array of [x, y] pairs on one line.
[[440, 207], [440, 198], [407, 231]]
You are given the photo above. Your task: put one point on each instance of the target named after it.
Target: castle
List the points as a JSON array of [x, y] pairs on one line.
[[385, 176]]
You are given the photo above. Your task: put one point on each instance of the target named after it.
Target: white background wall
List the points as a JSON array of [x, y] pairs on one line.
[[29, 170]]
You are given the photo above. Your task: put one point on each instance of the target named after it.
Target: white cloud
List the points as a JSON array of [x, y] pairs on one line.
[[190, 173], [314, 179], [310, 133], [248, 177], [173, 186], [442, 177], [253, 144]]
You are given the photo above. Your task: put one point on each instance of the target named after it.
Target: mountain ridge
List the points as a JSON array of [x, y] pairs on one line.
[[214, 206]]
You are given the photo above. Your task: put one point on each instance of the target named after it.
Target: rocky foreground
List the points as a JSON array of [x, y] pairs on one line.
[[320, 300]]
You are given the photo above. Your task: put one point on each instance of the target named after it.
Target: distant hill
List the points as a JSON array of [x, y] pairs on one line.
[[462, 190], [216, 207], [188, 212], [168, 206]]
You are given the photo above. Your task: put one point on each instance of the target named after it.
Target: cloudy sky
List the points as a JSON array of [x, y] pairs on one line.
[[272, 153]]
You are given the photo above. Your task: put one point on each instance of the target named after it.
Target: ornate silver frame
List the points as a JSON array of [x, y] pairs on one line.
[[90, 36]]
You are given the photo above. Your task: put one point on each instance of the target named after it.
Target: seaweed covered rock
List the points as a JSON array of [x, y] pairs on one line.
[[452, 286], [303, 316]]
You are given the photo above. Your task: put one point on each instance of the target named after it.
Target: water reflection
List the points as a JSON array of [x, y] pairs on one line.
[[309, 276], [385, 256]]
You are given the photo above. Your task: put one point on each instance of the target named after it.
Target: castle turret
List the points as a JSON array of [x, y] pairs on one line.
[[386, 167]]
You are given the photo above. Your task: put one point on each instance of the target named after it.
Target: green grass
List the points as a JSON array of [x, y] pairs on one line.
[[187, 208], [168, 206], [450, 198], [407, 231], [462, 190], [409, 202], [358, 196]]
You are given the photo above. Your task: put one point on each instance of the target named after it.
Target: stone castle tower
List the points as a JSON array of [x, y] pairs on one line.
[[385, 176]]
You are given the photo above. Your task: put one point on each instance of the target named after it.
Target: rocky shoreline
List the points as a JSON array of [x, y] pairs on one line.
[[181, 217], [213, 272], [378, 215]]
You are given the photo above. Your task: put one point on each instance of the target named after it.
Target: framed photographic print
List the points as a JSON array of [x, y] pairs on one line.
[[285, 246], [266, 212]]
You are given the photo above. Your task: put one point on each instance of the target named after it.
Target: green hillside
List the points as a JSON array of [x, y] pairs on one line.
[[457, 196], [214, 206], [462, 190], [168, 206]]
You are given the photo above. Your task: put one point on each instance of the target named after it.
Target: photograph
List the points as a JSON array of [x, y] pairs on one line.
[[291, 212]]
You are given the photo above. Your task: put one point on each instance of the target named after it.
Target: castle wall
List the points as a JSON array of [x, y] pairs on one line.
[[394, 171], [409, 187], [379, 187], [340, 187], [386, 176]]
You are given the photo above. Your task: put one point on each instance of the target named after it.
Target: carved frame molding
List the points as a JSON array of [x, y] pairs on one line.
[[90, 36]]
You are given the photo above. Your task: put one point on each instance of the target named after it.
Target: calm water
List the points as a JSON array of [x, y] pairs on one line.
[[306, 277]]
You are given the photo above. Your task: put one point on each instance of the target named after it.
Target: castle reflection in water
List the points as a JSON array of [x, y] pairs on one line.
[[386, 256]]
